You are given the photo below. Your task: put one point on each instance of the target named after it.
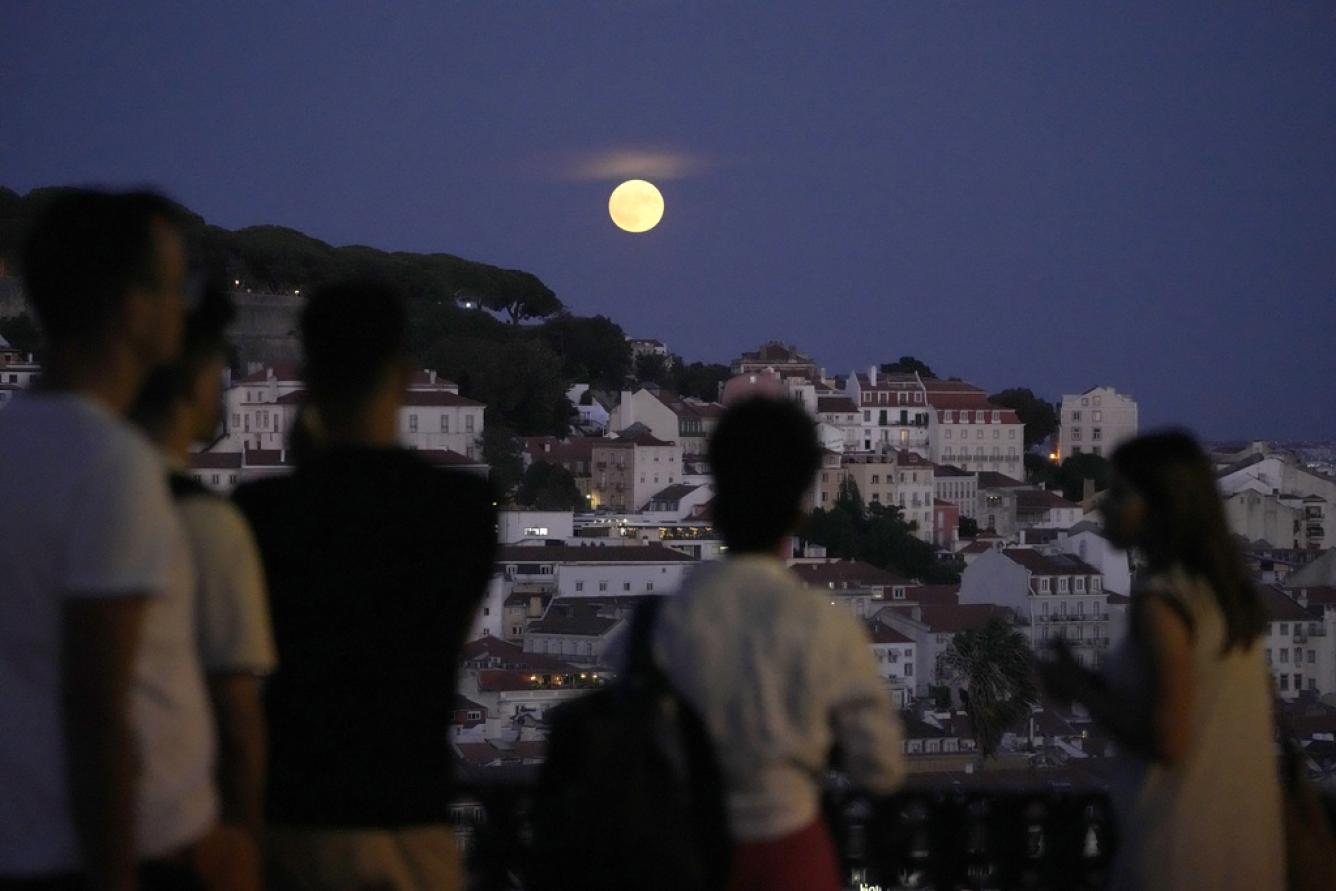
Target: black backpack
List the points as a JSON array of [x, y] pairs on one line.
[[631, 794]]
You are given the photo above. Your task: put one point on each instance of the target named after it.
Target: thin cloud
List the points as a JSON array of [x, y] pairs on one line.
[[625, 164]]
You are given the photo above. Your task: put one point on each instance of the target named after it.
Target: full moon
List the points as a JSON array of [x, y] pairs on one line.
[[636, 206]]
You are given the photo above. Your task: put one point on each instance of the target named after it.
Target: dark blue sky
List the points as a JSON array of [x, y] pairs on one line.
[[1054, 195]]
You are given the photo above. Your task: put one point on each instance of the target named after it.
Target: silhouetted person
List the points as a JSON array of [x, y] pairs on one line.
[[777, 674], [376, 564], [106, 753], [1188, 694], [180, 406]]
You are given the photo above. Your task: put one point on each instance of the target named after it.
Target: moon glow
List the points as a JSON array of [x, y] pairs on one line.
[[636, 206]]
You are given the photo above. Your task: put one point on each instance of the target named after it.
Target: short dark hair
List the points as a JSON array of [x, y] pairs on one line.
[[84, 251], [203, 339], [353, 332], [1187, 526], [764, 455]]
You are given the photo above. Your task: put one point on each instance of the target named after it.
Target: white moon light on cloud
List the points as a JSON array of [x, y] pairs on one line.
[[636, 206]]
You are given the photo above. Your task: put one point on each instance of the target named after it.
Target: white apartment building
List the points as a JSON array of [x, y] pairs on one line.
[[932, 627], [957, 487], [1299, 644], [1058, 595], [840, 423], [969, 432], [516, 525], [895, 410], [626, 472], [1095, 422], [262, 407]]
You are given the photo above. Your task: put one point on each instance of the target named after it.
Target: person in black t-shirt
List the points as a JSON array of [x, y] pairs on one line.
[[376, 564]]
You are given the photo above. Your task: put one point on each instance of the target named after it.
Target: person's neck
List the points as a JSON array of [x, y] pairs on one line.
[[110, 377]]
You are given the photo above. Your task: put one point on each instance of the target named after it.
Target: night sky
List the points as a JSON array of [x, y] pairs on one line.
[[1054, 195]]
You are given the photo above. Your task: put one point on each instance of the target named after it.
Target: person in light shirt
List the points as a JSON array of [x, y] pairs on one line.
[[106, 759], [180, 406], [779, 677]]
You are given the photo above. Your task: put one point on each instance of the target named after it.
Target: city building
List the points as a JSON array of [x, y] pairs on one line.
[[969, 432], [1095, 422], [631, 468], [783, 359], [1054, 595], [895, 410]]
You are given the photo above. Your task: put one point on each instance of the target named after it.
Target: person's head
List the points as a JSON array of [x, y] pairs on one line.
[[189, 390], [107, 270], [355, 338], [1163, 500], [764, 455]]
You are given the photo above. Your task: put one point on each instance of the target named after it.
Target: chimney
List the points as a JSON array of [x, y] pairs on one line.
[[872, 375]]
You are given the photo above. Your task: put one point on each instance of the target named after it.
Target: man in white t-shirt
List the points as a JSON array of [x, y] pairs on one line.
[[107, 751], [179, 406]]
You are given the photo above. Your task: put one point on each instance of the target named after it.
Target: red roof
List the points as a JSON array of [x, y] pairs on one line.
[[1046, 564], [953, 618], [1041, 499], [1279, 606], [906, 458], [882, 633], [553, 450], [836, 405], [282, 371], [215, 460], [847, 573], [446, 458], [268, 458], [635, 439], [936, 595], [438, 398], [650, 553]]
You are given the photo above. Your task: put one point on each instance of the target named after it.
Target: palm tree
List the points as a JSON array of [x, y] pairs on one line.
[[994, 667]]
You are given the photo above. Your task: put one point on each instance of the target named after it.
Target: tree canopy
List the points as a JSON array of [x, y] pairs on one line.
[[908, 365], [593, 350], [1039, 417], [994, 668], [547, 486], [875, 534]]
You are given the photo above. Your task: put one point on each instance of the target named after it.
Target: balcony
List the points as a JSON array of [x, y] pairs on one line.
[[943, 836]]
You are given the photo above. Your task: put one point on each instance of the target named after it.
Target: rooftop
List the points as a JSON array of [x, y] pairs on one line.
[[848, 573], [650, 553], [1050, 564]]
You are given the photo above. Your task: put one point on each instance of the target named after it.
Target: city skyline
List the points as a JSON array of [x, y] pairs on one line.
[[1036, 196]]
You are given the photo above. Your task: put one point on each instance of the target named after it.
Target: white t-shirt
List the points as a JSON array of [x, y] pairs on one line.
[[778, 676], [85, 512], [233, 608]]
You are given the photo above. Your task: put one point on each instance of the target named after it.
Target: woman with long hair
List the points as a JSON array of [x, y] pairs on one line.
[[1187, 695]]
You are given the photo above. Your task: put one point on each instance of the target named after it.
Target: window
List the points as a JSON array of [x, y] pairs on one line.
[[1284, 629], [1076, 433], [445, 423], [1284, 682], [876, 478], [1085, 401], [468, 423], [1095, 433], [980, 436], [1312, 656], [486, 610], [1284, 655], [649, 586], [579, 586], [214, 479], [236, 420], [412, 423], [1097, 399], [1079, 581], [603, 586], [1012, 433], [1097, 416], [1043, 586], [626, 586], [1062, 585], [909, 669], [1076, 415], [948, 433], [997, 434]]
